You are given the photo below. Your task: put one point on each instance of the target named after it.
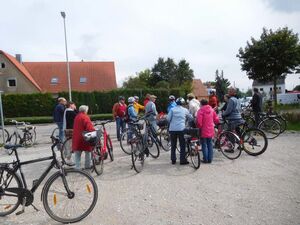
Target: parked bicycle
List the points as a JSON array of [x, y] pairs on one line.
[[64, 191], [55, 133], [27, 138], [193, 149], [6, 136]]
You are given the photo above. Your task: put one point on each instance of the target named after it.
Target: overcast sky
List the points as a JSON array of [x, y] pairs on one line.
[[134, 33]]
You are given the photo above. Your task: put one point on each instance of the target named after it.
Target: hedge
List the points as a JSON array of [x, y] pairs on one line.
[[32, 105]]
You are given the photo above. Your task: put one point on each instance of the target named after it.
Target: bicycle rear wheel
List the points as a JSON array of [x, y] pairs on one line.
[[73, 208], [9, 201], [255, 141], [109, 148], [137, 155], [29, 137], [165, 140], [229, 144], [66, 152], [194, 155], [271, 127], [125, 142], [282, 122], [55, 133], [6, 136], [152, 146], [98, 161]]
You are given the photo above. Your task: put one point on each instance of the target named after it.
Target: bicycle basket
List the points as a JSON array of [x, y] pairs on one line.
[[162, 122], [92, 137]]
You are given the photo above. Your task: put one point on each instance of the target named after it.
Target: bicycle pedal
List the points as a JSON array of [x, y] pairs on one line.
[[20, 212]]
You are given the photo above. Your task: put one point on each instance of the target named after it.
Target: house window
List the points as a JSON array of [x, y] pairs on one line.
[[54, 80], [82, 80], [2, 65], [12, 82]]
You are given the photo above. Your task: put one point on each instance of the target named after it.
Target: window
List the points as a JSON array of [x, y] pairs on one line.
[[12, 82], [2, 65], [54, 80], [82, 80]]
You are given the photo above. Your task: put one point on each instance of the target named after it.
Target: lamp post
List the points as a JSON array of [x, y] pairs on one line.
[[2, 119], [63, 14]]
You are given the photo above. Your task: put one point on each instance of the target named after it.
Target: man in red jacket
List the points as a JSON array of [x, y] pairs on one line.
[[119, 113], [82, 123]]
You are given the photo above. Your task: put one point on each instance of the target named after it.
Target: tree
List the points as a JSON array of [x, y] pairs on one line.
[[272, 57], [297, 88], [139, 81], [184, 73], [221, 85], [163, 71]]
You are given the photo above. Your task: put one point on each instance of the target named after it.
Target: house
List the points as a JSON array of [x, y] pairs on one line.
[[33, 77], [266, 88], [199, 90]]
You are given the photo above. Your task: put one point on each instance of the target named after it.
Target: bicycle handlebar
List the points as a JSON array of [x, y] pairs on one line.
[[102, 123]]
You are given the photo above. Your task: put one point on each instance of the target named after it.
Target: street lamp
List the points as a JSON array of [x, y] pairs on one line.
[[2, 119], [63, 14]]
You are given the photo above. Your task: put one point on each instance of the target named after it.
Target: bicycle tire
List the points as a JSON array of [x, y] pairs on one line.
[[6, 181], [229, 145], [55, 133], [271, 127], [252, 138], [98, 161], [153, 147], [29, 137], [137, 155], [194, 155], [81, 184], [283, 123], [109, 147], [125, 143], [6, 137], [165, 140], [66, 151]]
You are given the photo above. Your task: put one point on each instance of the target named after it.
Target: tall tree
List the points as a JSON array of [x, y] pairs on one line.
[[221, 85], [141, 80], [163, 71], [271, 57], [184, 73]]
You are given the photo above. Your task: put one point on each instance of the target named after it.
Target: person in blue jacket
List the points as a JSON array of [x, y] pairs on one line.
[[172, 103]]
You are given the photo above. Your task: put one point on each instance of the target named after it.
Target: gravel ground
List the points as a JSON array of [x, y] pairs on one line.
[[249, 191]]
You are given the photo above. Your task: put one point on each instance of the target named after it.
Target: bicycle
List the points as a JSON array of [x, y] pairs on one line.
[[193, 149], [55, 133], [142, 145], [29, 134], [6, 136], [64, 188]]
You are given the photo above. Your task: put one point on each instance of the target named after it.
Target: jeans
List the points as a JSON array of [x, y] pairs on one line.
[[153, 123], [120, 126], [174, 135], [87, 162], [130, 131], [61, 131], [207, 149]]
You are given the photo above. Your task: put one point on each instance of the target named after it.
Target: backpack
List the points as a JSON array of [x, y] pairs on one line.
[[127, 116]]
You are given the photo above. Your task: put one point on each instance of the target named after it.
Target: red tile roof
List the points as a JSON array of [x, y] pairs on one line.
[[199, 89], [100, 76], [21, 68]]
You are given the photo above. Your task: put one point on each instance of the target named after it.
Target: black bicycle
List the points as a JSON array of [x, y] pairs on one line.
[[193, 149], [68, 196], [28, 136]]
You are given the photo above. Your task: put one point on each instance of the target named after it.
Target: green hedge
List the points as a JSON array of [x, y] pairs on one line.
[[32, 105]]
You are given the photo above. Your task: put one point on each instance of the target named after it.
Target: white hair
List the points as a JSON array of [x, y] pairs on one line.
[[83, 108]]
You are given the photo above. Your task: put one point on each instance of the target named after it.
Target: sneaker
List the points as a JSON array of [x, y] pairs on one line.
[[69, 162], [184, 163], [173, 162]]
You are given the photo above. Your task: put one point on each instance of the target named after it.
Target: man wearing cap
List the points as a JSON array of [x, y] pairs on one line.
[[136, 105], [151, 111], [58, 116], [119, 113], [194, 104]]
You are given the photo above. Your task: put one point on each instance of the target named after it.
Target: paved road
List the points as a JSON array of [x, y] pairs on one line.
[[248, 191]]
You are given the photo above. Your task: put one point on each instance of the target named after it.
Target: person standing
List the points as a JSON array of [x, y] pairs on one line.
[[151, 112], [256, 105], [132, 115], [213, 100], [194, 104], [58, 116], [136, 105], [206, 119], [147, 97], [119, 113], [177, 118], [82, 123], [172, 103]]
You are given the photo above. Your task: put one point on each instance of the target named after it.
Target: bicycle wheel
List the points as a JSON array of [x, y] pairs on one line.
[[282, 122], [70, 209], [29, 137], [194, 155], [66, 152], [137, 155], [125, 142], [152, 146], [109, 148], [250, 121], [9, 200], [98, 161], [254, 142], [6, 136], [271, 127], [229, 144], [55, 133], [164, 139]]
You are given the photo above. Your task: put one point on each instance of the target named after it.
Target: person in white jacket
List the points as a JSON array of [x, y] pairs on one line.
[[194, 104]]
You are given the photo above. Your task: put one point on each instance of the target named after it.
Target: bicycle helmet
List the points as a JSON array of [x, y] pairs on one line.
[[131, 99], [136, 97], [171, 97], [180, 101], [121, 98]]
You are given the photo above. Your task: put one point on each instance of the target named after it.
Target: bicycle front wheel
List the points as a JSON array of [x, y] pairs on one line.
[[98, 161], [66, 152], [137, 155], [110, 148], [125, 142], [255, 141], [282, 122], [72, 207], [165, 140], [9, 200], [6, 136], [229, 144], [152, 147], [29, 137], [194, 155], [271, 127]]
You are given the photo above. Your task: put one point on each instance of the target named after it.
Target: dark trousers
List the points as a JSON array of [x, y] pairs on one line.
[[174, 135], [257, 118], [120, 126]]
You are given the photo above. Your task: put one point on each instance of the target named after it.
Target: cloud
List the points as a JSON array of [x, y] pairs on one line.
[[88, 49], [284, 5]]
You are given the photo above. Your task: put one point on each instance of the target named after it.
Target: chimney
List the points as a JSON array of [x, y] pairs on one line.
[[19, 58]]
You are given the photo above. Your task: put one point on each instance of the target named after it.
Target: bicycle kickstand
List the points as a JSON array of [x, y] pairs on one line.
[[23, 207], [36, 209]]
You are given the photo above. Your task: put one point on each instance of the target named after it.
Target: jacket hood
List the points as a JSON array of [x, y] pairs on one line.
[[206, 109]]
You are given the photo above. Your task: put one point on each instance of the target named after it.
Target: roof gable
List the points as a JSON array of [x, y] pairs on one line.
[[199, 89]]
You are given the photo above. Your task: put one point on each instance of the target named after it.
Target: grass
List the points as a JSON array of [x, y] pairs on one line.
[[281, 107], [293, 126]]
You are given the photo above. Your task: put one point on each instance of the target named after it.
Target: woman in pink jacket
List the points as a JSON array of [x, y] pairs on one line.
[[206, 120]]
